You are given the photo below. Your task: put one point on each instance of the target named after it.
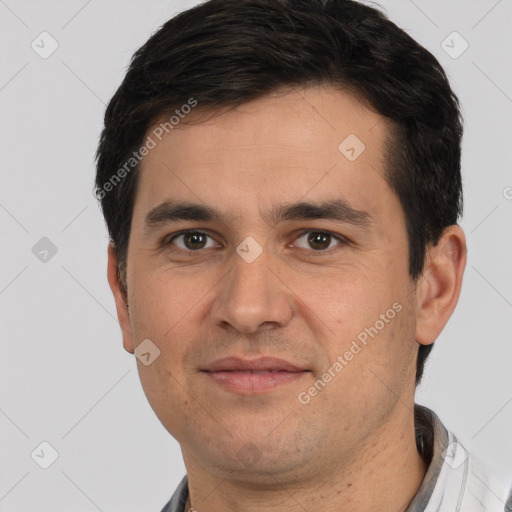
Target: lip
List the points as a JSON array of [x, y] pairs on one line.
[[253, 376], [273, 364]]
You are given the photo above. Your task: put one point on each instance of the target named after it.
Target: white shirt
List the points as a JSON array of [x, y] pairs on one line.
[[456, 481]]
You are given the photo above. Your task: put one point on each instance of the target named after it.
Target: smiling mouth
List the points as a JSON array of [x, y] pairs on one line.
[[265, 374], [255, 371], [261, 364], [253, 382]]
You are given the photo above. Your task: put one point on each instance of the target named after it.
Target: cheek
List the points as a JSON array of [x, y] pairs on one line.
[[166, 311], [346, 301], [163, 301], [374, 359], [166, 393], [366, 321]]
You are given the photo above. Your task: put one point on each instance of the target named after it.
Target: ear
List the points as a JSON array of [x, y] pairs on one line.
[[120, 299], [439, 286]]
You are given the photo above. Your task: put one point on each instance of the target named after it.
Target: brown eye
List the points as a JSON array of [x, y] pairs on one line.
[[191, 240], [318, 240], [194, 241]]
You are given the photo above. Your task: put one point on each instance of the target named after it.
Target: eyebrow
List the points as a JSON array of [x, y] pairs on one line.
[[339, 210]]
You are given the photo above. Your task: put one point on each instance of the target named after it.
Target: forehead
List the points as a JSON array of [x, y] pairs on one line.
[[319, 143]]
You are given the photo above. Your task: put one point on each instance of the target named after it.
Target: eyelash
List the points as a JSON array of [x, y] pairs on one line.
[[343, 241]]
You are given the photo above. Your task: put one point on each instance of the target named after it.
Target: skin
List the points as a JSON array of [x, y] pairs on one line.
[[352, 447]]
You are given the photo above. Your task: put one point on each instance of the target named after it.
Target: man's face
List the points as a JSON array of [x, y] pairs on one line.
[[309, 291]]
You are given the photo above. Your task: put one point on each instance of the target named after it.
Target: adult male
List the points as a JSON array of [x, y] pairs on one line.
[[281, 184]]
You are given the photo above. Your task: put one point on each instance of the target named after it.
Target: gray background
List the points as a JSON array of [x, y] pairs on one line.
[[65, 377]]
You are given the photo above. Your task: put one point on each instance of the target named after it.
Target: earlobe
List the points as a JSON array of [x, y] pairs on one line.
[[120, 299], [438, 288]]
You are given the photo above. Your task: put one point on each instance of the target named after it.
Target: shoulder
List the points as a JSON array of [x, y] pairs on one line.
[[456, 480], [471, 485]]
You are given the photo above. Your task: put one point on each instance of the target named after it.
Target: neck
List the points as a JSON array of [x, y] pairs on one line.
[[385, 475]]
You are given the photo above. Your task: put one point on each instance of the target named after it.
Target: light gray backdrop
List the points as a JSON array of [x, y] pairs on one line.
[[65, 378]]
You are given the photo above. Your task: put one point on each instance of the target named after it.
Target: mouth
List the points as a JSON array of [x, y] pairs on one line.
[[256, 376]]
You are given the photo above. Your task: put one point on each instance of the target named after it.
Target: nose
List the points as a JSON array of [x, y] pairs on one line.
[[252, 297]]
